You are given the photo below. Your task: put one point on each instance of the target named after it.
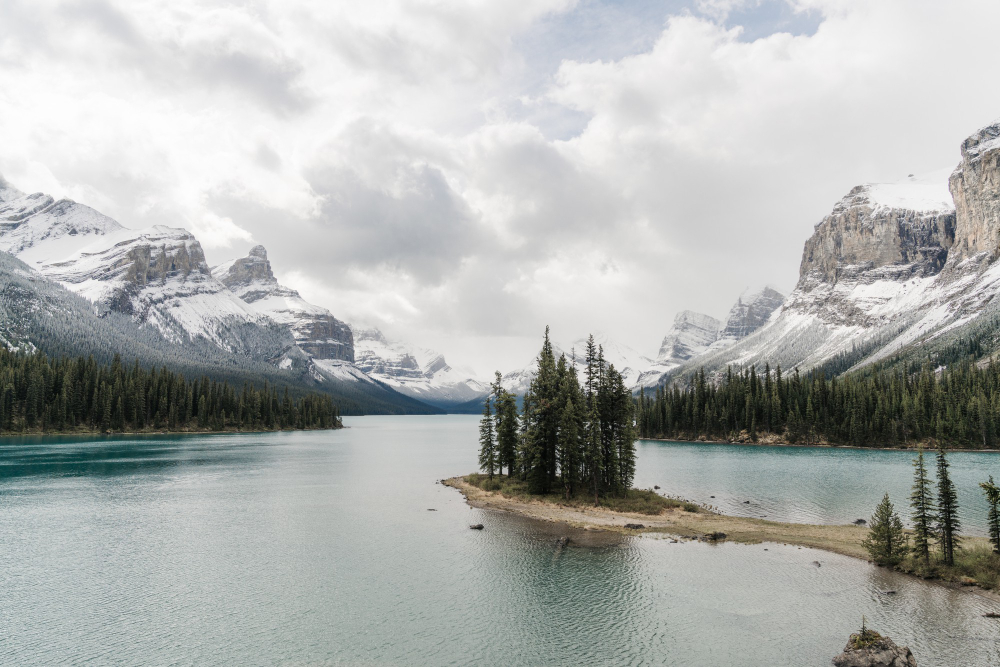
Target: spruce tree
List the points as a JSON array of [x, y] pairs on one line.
[[569, 448], [992, 492], [886, 541], [948, 523], [487, 443], [922, 503], [507, 432]]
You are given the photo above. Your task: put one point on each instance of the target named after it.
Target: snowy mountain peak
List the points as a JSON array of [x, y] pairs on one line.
[[317, 332], [924, 194], [751, 312], [250, 277], [8, 191], [690, 335], [422, 374], [370, 335]]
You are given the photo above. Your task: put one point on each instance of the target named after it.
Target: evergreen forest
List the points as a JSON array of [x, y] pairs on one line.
[[43, 395], [956, 407]]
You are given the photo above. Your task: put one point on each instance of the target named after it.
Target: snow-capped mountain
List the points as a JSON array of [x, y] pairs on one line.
[[626, 360], [422, 374], [316, 330], [894, 265], [695, 335], [328, 342], [156, 275], [158, 281]]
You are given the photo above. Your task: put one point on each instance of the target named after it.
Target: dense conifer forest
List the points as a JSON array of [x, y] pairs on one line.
[[569, 439], [956, 407], [43, 395]]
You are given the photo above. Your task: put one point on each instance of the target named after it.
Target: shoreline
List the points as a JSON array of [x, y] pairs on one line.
[[703, 526], [817, 445], [49, 434]]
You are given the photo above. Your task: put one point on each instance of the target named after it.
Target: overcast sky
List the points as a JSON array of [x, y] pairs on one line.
[[461, 174]]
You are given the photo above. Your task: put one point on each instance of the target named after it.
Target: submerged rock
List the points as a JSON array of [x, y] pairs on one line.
[[875, 652]]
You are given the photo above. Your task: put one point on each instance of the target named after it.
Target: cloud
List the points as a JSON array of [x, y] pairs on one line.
[[472, 171]]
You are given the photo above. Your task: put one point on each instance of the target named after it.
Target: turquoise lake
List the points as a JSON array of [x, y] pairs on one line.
[[319, 548]]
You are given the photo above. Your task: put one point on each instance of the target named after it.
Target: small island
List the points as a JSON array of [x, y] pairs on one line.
[[570, 458]]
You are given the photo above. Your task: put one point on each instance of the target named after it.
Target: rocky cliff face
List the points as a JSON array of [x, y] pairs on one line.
[[749, 313], [689, 336], [975, 187], [317, 332], [905, 228]]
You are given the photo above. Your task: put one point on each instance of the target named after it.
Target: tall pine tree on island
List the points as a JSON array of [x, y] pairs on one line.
[[922, 503], [487, 442], [948, 523], [570, 438], [505, 408]]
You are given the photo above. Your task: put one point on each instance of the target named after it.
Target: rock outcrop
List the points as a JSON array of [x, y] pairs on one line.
[[880, 652], [317, 332], [749, 313], [689, 336], [906, 228], [975, 187]]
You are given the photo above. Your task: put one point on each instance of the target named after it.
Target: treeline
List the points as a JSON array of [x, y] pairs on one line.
[[958, 406], [569, 438], [39, 394]]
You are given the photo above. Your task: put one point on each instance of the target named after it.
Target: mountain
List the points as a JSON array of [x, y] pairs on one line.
[[421, 374], [158, 276], [150, 295], [327, 341], [895, 270], [694, 335]]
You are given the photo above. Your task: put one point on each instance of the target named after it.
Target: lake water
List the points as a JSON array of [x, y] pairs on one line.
[[318, 548], [807, 484]]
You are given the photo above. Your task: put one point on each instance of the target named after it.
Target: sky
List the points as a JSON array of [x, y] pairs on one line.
[[462, 174]]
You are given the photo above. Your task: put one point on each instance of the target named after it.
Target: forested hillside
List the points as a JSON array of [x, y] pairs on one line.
[[38, 394]]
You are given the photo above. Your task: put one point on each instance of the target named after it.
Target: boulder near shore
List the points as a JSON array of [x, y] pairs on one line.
[[874, 652]]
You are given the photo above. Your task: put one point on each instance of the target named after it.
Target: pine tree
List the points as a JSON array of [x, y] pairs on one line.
[[922, 503], [569, 449], [886, 541], [487, 442], [992, 492], [948, 523], [506, 431]]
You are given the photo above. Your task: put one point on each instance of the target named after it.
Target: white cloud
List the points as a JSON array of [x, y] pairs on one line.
[[397, 158]]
